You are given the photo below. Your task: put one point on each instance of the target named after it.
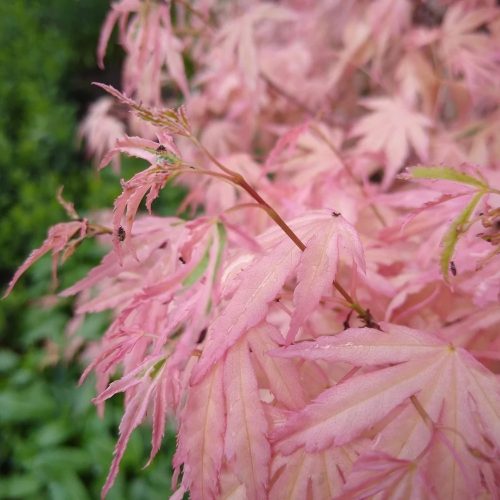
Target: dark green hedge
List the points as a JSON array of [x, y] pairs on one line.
[[52, 444]]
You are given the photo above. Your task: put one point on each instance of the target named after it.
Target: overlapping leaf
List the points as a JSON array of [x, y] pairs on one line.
[[453, 389]]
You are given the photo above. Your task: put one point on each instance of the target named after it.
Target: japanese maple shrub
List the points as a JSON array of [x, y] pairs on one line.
[[328, 327]]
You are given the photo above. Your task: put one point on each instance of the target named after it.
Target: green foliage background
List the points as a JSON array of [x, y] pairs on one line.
[[52, 444]]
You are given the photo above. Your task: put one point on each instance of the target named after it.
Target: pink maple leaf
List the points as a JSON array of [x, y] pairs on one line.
[[265, 277], [143, 385], [58, 241], [145, 32], [147, 183], [318, 267], [393, 128], [314, 475], [246, 446], [468, 51], [377, 472], [100, 130], [457, 393], [201, 436]]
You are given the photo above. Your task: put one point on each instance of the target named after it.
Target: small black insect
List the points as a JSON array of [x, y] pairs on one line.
[[161, 148], [453, 268], [335, 214], [202, 336], [377, 177], [181, 258], [121, 233], [347, 321]]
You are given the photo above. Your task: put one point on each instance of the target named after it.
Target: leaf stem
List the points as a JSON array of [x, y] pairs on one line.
[[239, 180]]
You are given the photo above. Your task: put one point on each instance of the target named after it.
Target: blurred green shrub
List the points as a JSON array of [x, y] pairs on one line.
[[52, 444], [44, 45]]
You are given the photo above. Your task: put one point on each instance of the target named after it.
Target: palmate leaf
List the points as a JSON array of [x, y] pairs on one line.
[[173, 121], [224, 425], [282, 375], [318, 266], [310, 475], [378, 472], [265, 276], [457, 393], [393, 127]]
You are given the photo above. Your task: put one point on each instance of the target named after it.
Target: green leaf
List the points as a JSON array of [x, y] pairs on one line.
[[19, 486], [52, 433], [450, 239], [68, 487], [56, 462], [29, 404], [8, 360], [446, 173]]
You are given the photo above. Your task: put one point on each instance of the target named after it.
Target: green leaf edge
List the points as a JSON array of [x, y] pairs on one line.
[[446, 173], [450, 239]]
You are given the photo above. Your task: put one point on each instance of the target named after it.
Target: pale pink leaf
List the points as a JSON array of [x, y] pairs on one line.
[[377, 472], [201, 437], [365, 346], [287, 141], [246, 446], [249, 305], [133, 416], [283, 376], [318, 266], [392, 127], [344, 411], [57, 239], [320, 474]]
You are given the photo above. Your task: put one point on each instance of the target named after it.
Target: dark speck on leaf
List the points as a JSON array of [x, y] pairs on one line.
[[163, 245], [161, 147], [335, 214], [453, 268], [377, 177], [121, 233], [202, 336], [182, 259]]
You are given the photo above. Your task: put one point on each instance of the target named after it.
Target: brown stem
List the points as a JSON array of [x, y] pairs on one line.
[[271, 212], [316, 115], [213, 159], [99, 229], [193, 170], [239, 180]]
